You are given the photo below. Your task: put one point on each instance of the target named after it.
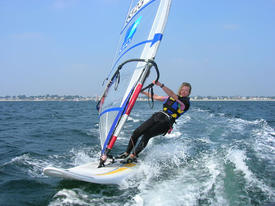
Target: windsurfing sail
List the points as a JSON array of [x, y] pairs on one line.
[[140, 37]]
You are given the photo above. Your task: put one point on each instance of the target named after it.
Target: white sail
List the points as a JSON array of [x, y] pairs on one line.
[[140, 38]]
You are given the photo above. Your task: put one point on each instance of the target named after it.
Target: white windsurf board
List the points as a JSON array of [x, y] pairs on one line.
[[112, 173]]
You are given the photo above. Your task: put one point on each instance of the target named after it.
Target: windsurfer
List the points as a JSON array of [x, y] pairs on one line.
[[160, 122]]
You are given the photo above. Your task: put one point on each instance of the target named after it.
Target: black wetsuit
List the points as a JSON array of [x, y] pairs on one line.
[[159, 123]]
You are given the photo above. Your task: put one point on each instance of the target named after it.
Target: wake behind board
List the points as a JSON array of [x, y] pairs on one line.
[[112, 173]]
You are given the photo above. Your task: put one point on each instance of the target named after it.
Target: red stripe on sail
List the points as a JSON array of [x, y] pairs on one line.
[[133, 99]]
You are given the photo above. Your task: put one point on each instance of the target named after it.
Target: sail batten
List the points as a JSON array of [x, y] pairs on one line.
[[139, 41]]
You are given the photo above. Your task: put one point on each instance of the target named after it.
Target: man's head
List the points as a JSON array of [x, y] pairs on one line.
[[185, 89]]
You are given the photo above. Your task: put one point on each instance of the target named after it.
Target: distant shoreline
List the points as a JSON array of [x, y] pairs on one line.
[[254, 99], [48, 97], [140, 99]]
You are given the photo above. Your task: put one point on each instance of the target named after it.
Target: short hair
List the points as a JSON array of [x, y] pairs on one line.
[[187, 85]]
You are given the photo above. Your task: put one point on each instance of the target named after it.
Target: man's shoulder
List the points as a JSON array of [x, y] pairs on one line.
[[184, 99]]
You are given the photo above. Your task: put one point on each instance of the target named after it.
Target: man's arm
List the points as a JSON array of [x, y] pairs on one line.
[[170, 93], [155, 96]]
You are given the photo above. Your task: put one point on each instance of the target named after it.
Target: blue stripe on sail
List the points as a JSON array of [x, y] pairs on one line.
[[110, 132], [157, 37], [110, 110], [115, 123], [137, 14]]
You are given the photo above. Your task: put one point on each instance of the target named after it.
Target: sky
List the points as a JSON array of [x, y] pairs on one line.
[[66, 47]]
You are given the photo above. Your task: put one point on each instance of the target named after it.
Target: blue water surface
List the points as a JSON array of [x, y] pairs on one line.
[[219, 153]]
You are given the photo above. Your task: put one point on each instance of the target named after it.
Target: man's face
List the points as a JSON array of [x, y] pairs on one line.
[[185, 91]]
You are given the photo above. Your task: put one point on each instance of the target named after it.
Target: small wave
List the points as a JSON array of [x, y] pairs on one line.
[[241, 123], [133, 119], [91, 132], [70, 197], [205, 140], [99, 195], [239, 158], [195, 109], [183, 120], [241, 126], [32, 166], [264, 143], [212, 189], [187, 182], [173, 134], [84, 155], [160, 159]]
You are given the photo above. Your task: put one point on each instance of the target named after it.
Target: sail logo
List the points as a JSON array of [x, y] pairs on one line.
[[130, 34], [134, 11]]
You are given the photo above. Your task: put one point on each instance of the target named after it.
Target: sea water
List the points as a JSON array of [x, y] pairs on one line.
[[219, 153]]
